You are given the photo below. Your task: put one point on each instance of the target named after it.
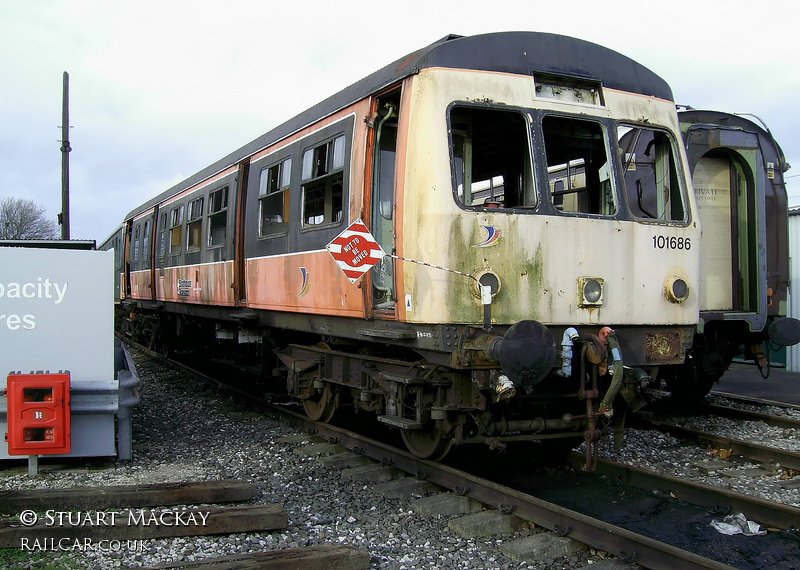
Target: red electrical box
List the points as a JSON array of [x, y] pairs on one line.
[[38, 414]]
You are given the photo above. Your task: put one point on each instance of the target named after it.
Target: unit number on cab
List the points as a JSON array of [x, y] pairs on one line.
[[663, 242]]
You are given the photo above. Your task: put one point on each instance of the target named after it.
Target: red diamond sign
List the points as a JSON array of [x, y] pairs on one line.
[[355, 250]]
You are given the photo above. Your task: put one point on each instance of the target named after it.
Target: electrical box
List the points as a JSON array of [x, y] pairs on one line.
[[38, 414]]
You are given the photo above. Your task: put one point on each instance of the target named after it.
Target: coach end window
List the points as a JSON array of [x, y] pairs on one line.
[[194, 224], [175, 230], [162, 246], [578, 169], [323, 183], [273, 198], [652, 184], [491, 158], [136, 237], [217, 216]]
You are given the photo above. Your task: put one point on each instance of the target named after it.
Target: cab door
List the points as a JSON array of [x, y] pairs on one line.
[[382, 194]]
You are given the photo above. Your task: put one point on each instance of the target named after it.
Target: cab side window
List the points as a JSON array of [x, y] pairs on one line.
[[578, 167], [491, 158], [652, 184]]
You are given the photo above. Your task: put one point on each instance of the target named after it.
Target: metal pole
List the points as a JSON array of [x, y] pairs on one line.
[[33, 465], [65, 149]]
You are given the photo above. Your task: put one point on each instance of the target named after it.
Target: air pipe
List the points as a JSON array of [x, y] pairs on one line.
[[567, 341], [606, 407]]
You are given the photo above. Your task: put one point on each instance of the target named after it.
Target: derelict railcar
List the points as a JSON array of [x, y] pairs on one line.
[[492, 161], [737, 170], [116, 242]]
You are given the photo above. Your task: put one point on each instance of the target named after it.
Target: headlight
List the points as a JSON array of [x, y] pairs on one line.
[[676, 290], [486, 277], [590, 291]]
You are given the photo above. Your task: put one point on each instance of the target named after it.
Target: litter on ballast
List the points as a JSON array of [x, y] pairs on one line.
[[737, 524]]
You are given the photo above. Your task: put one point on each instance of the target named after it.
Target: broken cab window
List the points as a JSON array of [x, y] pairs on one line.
[[577, 166], [652, 184], [491, 158]]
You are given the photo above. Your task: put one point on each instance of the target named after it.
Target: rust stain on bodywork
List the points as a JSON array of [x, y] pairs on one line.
[[663, 347]]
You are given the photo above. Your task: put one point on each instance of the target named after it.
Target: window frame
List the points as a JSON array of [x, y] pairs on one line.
[[530, 186], [611, 165], [192, 222], [316, 178], [284, 177], [137, 231], [213, 215], [176, 215], [677, 165]]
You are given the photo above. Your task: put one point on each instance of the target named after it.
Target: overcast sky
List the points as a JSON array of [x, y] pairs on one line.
[[160, 89]]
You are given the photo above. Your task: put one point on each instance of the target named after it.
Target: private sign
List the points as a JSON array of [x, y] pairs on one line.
[[355, 251]]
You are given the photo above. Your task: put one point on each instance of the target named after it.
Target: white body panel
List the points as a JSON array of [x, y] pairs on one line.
[[540, 257]]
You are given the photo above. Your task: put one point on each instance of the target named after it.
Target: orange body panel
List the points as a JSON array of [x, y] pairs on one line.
[[206, 284], [140, 284], [307, 283]]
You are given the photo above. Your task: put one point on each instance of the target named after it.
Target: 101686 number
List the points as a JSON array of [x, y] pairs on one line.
[[662, 242]]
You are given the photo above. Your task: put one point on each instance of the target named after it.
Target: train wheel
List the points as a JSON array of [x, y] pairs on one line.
[[321, 405], [429, 443], [690, 382]]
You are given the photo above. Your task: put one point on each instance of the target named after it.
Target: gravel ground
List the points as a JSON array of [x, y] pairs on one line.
[[183, 432], [667, 454]]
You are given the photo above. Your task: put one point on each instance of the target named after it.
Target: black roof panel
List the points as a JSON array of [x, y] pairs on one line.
[[510, 52]]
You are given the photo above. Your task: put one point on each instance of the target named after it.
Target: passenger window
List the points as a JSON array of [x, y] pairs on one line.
[[273, 198], [577, 166], [217, 216], [651, 177], [194, 225], [492, 158], [322, 199], [176, 230]]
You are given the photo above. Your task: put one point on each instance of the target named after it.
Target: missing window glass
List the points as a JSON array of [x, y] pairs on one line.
[[651, 178], [577, 166], [491, 158]]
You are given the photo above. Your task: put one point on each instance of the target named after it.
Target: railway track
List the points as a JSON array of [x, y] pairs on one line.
[[748, 400], [770, 455], [736, 447], [750, 415], [628, 545]]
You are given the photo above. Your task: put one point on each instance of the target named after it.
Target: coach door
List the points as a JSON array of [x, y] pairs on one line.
[[727, 253], [383, 198], [712, 187]]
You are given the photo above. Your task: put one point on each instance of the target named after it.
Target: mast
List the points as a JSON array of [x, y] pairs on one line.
[[63, 218]]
